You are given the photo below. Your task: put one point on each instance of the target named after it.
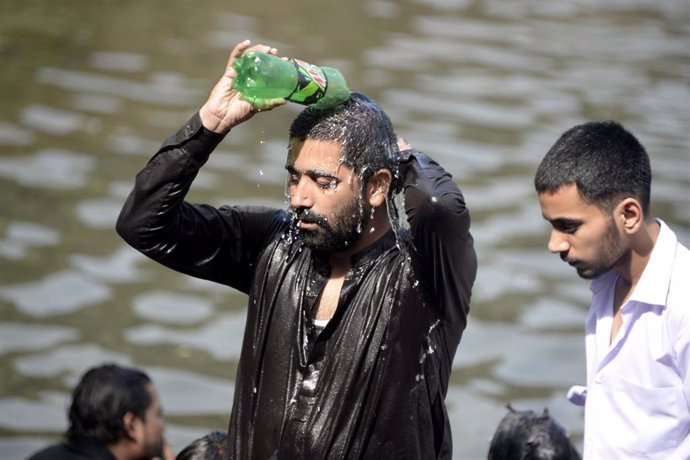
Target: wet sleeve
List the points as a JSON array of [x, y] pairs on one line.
[[218, 244], [439, 223]]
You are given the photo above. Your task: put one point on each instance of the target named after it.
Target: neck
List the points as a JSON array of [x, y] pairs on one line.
[[118, 450], [641, 246]]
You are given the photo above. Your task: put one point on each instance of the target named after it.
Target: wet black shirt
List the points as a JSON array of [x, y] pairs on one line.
[[372, 385]]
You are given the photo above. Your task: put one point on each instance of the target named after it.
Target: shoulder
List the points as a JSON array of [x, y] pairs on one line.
[[679, 287], [55, 452], [678, 297]]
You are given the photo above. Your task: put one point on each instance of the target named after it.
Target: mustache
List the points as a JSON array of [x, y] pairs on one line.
[[308, 216]]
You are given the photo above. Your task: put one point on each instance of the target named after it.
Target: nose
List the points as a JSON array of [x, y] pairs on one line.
[[557, 242], [300, 196]]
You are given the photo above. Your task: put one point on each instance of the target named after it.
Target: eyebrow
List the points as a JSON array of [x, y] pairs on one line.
[[563, 221], [313, 173]]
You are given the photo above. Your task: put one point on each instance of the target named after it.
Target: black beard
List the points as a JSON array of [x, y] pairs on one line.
[[612, 255], [333, 237]]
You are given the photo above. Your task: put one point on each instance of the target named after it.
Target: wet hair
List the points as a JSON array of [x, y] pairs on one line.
[[360, 126], [101, 399], [213, 446], [604, 160], [526, 435]]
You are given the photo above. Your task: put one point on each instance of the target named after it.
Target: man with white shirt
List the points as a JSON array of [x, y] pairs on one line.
[[594, 189]]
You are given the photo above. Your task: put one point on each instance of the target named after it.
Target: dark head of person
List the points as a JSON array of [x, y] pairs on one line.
[[604, 160], [212, 446], [102, 398], [366, 145], [526, 435], [360, 126]]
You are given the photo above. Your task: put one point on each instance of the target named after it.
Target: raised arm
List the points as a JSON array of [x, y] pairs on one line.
[[440, 227], [196, 239]]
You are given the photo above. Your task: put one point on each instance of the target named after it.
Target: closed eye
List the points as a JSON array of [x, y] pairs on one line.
[[566, 225], [293, 179], [322, 180], [327, 182]]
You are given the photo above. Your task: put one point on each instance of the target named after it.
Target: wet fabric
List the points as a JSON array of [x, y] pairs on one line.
[[372, 385], [76, 449]]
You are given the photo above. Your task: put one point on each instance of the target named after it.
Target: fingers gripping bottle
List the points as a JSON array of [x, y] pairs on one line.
[[265, 76]]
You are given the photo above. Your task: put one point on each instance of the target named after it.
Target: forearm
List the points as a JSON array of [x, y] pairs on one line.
[[154, 206]]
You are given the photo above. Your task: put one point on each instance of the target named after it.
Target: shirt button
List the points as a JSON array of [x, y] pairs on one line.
[[311, 368]]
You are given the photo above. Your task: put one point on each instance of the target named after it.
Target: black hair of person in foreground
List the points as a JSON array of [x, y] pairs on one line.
[[115, 414], [526, 435], [212, 446], [352, 321]]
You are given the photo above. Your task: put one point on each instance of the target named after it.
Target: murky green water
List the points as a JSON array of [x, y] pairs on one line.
[[89, 90]]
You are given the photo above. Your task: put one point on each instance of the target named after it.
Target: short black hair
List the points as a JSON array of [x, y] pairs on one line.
[[101, 399], [359, 125], [528, 435], [603, 159], [213, 446]]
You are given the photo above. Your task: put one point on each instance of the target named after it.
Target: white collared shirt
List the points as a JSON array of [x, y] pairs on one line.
[[638, 387]]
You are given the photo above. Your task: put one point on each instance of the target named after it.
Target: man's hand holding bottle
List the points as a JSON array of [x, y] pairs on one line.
[[226, 107]]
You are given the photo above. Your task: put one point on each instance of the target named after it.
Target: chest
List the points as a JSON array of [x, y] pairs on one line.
[[327, 300], [642, 351]]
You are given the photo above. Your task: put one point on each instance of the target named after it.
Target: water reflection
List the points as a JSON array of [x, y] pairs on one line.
[[221, 338], [50, 168], [120, 267], [166, 307], [57, 294], [485, 87], [161, 89], [16, 337], [20, 236]]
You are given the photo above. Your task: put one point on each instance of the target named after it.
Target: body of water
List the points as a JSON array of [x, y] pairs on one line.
[[89, 90]]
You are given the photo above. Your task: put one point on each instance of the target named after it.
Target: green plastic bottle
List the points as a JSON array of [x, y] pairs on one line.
[[265, 76]]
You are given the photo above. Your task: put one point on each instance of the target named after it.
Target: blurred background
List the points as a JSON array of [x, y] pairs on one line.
[[89, 90]]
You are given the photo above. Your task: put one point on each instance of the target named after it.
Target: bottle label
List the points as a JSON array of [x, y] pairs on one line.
[[311, 83]]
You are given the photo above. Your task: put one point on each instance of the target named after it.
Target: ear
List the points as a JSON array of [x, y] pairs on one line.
[[132, 425], [378, 186], [629, 215]]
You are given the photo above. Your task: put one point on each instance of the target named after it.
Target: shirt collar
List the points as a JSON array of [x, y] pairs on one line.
[[373, 251], [652, 288], [361, 258]]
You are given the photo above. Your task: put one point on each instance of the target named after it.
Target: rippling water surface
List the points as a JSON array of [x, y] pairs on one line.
[[90, 89]]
